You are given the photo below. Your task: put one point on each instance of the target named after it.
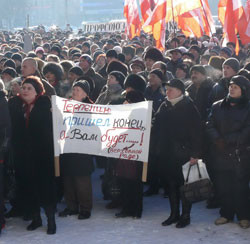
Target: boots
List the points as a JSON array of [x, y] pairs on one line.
[[36, 222], [183, 221], [175, 212], [50, 213], [185, 217]]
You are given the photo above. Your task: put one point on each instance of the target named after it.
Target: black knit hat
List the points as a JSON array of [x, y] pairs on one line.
[[227, 50], [111, 54], [176, 83], [154, 54], [56, 48], [117, 66], [196, 48], [233, 63], [84, 85], [120, 77], [183, 67], [86, 44], [10, 71], [243, 83], [10, 63], [55, 69], [76, 70], [198, 68], [135, 81], [158, 73], [17, 56], [87, 58], [89, 80], [216, 62]]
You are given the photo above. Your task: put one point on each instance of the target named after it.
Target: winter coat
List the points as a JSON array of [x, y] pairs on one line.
[[172, 65], [157, 96], [99, 82], [112, 93], [228, 129], [174, 128], [220, 90], [201, 97], [4, 124], [32, 144]]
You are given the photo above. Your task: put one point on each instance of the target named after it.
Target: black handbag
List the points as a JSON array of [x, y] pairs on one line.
[[196, 191]]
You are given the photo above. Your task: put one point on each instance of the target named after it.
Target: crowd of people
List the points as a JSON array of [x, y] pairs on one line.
[[201, 110]]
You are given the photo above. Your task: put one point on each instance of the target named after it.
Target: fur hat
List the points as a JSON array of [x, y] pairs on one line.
[[139, 63], [134, 97], [233, 63], [135, 81], [84, 85], [55, 69], [216, 62], [154, 54]]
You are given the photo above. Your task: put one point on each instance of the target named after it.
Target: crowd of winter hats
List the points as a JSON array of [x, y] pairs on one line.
[[58, 53]]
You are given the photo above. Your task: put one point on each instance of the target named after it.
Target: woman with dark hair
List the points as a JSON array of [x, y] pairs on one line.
[[228, 128], [53, 72], [32, 143], [76, 169]]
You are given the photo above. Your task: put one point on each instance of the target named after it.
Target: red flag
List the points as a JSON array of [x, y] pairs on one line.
[[229, 13], [158, 23], [244, 24], [133, 20]]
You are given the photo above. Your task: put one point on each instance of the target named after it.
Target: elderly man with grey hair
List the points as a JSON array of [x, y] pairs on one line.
[[29, 67]]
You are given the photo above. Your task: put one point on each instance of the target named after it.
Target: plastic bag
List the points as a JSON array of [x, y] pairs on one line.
[[194, 173]]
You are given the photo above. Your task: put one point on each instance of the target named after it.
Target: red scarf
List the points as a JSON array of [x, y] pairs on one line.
[[27, 109]]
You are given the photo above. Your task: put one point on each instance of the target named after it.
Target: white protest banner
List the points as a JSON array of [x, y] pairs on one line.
[[112, 26], [117, 131]]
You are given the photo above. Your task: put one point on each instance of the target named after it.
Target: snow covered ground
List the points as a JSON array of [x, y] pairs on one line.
[[103, 227]]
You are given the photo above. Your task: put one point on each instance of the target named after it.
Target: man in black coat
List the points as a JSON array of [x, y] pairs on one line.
[[4, 134], [200, 90], [175, 140]]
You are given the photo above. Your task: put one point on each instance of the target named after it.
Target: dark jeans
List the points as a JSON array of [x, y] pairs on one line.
[[233, 188]]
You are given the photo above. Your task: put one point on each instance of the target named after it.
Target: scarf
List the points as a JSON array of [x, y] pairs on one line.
[[175, 100], [27, 109]]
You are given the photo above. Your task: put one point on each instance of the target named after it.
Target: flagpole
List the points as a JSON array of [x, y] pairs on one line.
[[173, 17], [207, 20]]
